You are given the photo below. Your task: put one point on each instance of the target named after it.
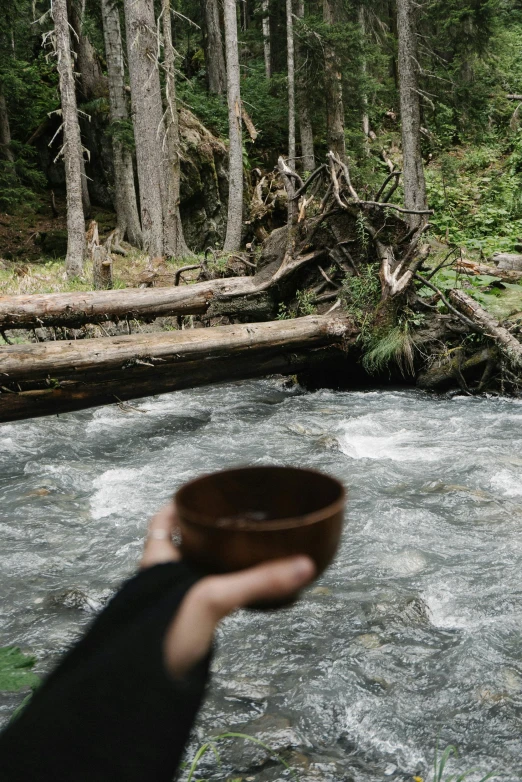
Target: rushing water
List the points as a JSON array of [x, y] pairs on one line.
[[414, 633]]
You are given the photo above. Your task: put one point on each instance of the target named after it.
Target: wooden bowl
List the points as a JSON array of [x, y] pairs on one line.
[[234, 519]]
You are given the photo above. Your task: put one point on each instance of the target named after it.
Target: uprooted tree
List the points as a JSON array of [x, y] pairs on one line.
[[339, 255]]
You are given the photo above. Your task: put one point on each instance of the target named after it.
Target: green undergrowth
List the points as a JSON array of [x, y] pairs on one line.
[[16, 674], [502, 299], [476, 195], [15, 670]]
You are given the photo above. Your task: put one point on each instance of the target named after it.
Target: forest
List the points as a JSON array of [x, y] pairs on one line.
[[354, 163], [263, 233]]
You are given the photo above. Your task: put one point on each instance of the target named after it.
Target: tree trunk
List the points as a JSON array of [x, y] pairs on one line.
[[235, 166], [5, 132], [66, 359], [216, 70], [174, 240], [76, 309], [147, 112], [91, 79], [86, 199], [306, 132], [364, 69], [143, 381], [72, 146], [266, 38], [334, 91], [414, 183], [291, 83], [128, 220]]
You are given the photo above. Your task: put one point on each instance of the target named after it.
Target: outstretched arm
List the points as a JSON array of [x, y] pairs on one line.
[[121, 704]]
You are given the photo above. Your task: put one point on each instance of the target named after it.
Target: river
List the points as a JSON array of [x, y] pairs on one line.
[[413, 636]]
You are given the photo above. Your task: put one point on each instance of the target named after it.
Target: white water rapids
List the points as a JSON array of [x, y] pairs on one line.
[[413, 636]]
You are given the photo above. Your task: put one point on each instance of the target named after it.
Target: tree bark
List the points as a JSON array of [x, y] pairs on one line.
[[265, 5], [147, 112], [291, 82], [66, 359], [334, 91], [306, 132], [216, 70], [127, 216], [5, 131], [414, 182], [72, 145], [174, 240], [235, 166]]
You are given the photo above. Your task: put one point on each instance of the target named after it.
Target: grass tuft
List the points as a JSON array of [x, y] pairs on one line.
[[397, 346]]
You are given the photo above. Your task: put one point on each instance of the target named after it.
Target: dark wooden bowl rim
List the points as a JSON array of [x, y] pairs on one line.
[[305, 520]]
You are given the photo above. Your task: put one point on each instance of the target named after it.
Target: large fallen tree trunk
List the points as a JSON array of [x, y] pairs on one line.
[[72, 357], [75, 309], [72, 310], [70, 375], [135, 383]]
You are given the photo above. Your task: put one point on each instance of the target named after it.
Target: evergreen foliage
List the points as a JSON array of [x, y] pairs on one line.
[[470, 61]]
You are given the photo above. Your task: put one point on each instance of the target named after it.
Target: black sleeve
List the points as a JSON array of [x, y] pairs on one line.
[[110, 712]]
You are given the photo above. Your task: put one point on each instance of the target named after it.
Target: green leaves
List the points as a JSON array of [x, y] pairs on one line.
[[15, 670]]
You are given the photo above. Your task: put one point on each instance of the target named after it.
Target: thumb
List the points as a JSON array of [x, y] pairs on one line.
[[189, 636]]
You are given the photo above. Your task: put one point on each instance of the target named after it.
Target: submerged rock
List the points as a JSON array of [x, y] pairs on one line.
[[77, 598]]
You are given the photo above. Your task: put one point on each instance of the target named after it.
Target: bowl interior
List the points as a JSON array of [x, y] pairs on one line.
[[250, 497]]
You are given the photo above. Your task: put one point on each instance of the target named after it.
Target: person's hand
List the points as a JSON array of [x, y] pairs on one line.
[[189, 636]]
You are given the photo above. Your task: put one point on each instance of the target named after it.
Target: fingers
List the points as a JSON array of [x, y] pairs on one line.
[[189, 636], [158, 544]]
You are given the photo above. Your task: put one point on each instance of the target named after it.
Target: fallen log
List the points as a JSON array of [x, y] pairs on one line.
[[70, 357], [454, 368], [76, 309], [135, 384], [470, 267], [220, 354], [486, 323]]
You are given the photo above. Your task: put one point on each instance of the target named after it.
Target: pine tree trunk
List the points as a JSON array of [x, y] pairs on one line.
[[124, 190], [364, 69], [306, 132], [291, 83], [147, 110], [414, 182], [174, 241], [91, 79], [334, 91], [235, 166], [216, 70], [72, 146], [86, 199], [5, 131], [266, 38]]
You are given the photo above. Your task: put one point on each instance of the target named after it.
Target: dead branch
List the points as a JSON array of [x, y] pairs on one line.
[[179, 272], [487, 325]]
